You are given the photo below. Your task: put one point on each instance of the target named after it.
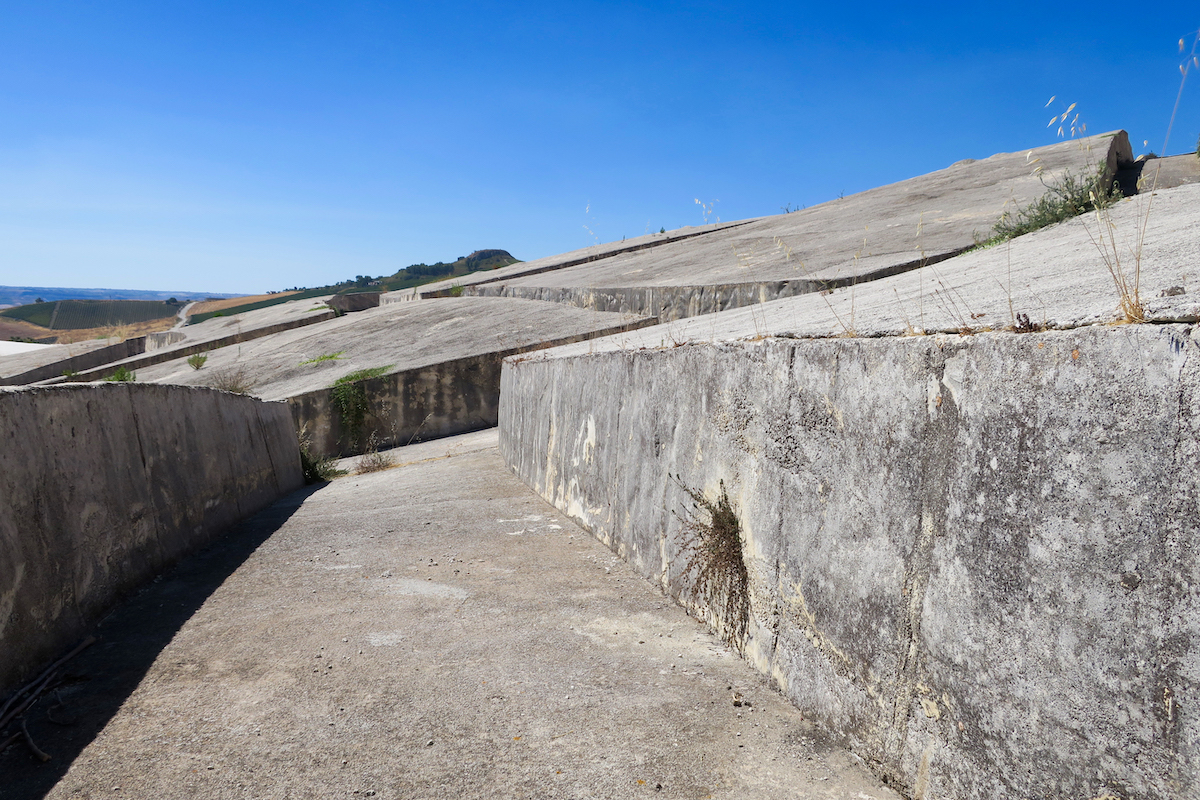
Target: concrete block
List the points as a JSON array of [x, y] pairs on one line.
[[973, 559], [357, 301]]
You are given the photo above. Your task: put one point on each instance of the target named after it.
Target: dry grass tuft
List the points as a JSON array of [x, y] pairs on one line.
[[714, 575]]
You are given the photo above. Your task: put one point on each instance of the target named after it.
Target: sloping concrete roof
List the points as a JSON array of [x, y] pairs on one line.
[[1056, 276], [853, 237]]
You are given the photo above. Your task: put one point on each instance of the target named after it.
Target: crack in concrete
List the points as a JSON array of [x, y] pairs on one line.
[[935, 480]]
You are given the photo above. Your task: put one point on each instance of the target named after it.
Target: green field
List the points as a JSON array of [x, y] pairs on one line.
[[67, 315]]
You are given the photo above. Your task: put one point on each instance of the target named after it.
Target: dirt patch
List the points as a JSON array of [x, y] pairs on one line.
[[115, 333], [209, 306], [10, 328]]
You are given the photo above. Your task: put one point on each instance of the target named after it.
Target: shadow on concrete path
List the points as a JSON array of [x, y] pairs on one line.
[[97, 682]]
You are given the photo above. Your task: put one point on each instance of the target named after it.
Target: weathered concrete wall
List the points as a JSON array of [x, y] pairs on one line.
[[159, 341], [973, 559], [103, 486], [458, 395], [670, 303]]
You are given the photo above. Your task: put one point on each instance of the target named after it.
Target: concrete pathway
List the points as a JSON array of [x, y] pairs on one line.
[[432, 630]]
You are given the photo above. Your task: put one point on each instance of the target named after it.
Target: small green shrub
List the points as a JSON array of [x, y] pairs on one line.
[[324, 357], [316, 469], [1064, 198], [197, 360], [121, 375], [456, 290]]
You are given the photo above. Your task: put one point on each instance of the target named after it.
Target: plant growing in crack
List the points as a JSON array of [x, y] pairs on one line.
[[348, 396], [714, 576]]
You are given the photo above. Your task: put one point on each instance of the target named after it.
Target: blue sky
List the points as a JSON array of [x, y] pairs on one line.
[[241, 147]]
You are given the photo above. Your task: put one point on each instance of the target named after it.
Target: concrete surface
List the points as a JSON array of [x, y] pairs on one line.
[[94, 360], [430, 631], [442, 357], [405, 336], [1166, 173], [973, 559], [81, 356], [104, 486], [216, 333], [1056, 276], [860, 238], [20, 348], [586, 255]]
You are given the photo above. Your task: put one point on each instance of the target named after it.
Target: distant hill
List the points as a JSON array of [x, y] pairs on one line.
[[68, 315], [24, 295], [413, 275]]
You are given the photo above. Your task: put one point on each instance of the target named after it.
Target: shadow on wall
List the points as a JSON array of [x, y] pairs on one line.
[[94, 685]]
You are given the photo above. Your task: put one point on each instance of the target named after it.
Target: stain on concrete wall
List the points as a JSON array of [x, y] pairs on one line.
[[104, 486], [972, 559]]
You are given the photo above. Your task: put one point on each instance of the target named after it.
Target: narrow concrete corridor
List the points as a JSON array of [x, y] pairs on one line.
[[433, 630]]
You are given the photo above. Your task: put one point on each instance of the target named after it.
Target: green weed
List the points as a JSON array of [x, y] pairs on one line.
[[197, 361], [325, 357], [316, 469], [348, 397], [1066, 197], [121, 375]]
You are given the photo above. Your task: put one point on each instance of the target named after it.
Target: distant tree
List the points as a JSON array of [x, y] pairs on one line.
[[39, 300], [171, 301]]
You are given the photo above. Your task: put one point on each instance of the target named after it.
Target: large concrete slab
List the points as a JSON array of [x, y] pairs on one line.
[[440, 362], [16, 364], [398, 336], [435, 630], [971, 558], [854, 239], [1057, 277]]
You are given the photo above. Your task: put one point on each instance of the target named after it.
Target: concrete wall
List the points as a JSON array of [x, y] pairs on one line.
[[103, 486], [972, 559], [670, 303], [458, 395]]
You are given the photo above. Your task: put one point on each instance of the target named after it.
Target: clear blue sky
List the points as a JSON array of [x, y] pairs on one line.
[[240, 147]]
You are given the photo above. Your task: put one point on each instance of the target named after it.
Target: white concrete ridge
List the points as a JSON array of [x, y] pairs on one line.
[[1056, 276], [864, 237]]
